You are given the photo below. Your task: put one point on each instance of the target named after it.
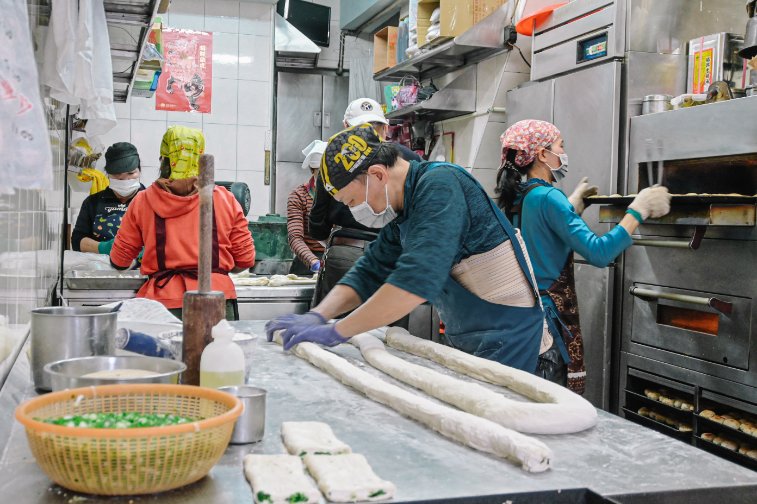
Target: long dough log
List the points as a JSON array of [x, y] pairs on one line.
[[475, 432], [557, 410]]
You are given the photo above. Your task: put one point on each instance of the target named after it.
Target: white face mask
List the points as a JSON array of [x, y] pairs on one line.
[[364, 214], [124, 188], [561, 171]]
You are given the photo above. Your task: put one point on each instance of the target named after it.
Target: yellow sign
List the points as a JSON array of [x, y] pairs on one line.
[[703, 69]]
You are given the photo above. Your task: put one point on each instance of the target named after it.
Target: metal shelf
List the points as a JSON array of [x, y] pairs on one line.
[[129, 23], [481, 41]]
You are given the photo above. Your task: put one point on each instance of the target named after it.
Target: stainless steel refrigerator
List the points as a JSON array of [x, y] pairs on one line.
[[309, 106]]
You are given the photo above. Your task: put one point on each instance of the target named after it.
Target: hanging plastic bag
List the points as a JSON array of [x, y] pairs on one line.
[[408, 93], [26, 162]]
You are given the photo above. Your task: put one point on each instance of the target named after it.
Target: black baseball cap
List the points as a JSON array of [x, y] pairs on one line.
[[348, 154]]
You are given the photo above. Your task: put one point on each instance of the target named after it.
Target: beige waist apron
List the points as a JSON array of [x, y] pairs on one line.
[[496, 277]]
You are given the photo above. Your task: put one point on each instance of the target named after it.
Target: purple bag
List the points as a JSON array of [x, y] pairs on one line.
[[408, 93]]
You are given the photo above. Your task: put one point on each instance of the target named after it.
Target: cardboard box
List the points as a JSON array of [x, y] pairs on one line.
[[483, 8], [384, 49], [456, 16]]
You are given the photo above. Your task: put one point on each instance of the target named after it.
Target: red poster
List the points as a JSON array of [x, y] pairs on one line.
[[186, 82]]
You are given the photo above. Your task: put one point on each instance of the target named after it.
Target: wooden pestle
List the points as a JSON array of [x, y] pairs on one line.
[[203, 308]]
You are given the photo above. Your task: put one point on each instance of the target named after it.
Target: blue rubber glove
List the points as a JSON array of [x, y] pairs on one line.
[[326, 335], [141, 254], [104, 247], [315, 267], [292, 322]]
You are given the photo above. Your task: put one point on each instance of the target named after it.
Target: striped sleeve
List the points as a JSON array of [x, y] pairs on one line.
[[298, 208]]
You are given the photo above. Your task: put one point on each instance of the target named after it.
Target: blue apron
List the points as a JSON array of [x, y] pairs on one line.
[[510, 335]]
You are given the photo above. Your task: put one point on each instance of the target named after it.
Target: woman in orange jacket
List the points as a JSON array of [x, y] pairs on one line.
[[164, 219]]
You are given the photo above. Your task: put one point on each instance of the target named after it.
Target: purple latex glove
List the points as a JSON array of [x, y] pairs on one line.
[[292, 322], [326, 335]]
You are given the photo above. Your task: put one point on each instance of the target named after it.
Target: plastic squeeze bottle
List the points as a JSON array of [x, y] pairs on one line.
[[222, 362]]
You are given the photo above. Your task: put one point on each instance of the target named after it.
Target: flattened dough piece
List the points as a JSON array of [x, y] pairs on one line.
[[279, 479], [556, 409], [470, 430], [348, 478], [311, 438]]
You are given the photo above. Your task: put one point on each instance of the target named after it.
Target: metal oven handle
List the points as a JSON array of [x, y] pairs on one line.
[[714, 303], [693, 244]]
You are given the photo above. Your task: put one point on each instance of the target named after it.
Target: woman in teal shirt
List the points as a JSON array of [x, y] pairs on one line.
[[533, 157]]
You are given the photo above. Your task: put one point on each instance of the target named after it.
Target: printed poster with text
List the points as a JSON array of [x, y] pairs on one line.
[[186, 82]]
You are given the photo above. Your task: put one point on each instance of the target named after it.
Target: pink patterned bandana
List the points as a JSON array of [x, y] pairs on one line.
[[526, 137]]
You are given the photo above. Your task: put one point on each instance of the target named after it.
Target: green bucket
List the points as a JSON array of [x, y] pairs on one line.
[[269, 233]]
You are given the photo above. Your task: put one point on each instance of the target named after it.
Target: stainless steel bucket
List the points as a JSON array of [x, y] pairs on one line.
[[66, 332], [656, 103], [250, 426]]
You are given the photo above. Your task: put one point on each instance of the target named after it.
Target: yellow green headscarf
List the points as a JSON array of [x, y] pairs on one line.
[[183, 147]]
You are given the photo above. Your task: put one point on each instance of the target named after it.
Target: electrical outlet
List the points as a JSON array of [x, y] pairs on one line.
[[511, 36]]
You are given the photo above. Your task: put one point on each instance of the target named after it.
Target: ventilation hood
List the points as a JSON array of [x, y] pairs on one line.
[[293, 49]]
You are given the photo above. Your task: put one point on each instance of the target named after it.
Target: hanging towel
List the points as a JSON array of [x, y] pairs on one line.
[[99, 179]]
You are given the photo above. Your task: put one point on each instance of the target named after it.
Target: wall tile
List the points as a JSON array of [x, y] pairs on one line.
[[185, 117], [146, 137], [251, 148], [149, 175], [254, 57], [221, 141], [187, 14], [222, 16], [144, 108], [225, 55], [224, 107], [255, 18], [254, 103], [226, 175], [123, 110], [261, 193]]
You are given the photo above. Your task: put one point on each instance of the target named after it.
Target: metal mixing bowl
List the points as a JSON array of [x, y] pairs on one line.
[[68, 373]]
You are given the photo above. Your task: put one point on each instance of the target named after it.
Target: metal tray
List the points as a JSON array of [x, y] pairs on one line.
[[104, 280], [676, 199]]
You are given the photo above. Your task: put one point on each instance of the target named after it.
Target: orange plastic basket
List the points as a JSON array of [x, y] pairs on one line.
[[130, 461]]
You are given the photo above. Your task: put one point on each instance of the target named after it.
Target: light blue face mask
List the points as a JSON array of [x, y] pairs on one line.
[[561, 171]]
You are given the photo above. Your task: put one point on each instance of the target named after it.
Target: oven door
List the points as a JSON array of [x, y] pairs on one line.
[[704, 325]]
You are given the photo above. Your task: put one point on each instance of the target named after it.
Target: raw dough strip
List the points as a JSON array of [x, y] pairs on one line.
[[303, 438], [279, 479], [348, 478], [533, 418], [470, 430], [561, 411]]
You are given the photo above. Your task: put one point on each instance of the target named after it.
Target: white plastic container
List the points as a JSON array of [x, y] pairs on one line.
[[222, 362]]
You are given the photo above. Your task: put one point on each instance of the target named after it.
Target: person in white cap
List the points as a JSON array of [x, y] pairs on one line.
[[307, 250], [366, 110]]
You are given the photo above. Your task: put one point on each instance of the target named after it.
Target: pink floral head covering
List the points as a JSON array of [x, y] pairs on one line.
[[526, 137]]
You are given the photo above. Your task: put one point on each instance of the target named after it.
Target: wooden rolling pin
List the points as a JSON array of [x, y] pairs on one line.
[[202, 308]]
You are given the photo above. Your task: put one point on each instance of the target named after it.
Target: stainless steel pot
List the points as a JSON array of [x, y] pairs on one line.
[[66, 332], [250, 426], [69, 373], [656, 103]]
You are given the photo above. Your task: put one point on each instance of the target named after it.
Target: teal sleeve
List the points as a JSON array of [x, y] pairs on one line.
[[599, 251], [378, 261], [435, 231]]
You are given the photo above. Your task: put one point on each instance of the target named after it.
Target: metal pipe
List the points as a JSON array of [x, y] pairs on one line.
[[715, 303], [661, 243]]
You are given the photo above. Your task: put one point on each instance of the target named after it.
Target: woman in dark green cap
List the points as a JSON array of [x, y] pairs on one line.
[[101, 213]]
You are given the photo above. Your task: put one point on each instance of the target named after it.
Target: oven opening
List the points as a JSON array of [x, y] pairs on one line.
[[687, 319], [715, 175]]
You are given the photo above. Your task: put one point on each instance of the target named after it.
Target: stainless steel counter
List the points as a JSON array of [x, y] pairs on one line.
[[258, 302], [614, 458]]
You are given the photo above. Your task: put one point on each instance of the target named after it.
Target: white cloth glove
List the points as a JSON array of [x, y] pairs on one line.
[[652, 202], [582, 190]]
